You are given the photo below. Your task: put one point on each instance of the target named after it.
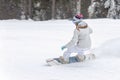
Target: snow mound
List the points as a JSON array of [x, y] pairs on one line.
[[110, 48]]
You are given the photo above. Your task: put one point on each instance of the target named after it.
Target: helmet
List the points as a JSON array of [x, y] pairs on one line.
[[77, 18]]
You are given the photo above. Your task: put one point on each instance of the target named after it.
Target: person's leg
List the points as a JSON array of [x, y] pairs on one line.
[[67, 53], [74, 49], [81, 52], [70, 50], [80, 56]]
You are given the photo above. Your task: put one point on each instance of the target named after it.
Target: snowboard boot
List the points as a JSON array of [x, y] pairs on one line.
[[80, 58], [63, 60]]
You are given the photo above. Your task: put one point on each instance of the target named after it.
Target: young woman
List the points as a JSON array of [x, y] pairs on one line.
[[80, 41]]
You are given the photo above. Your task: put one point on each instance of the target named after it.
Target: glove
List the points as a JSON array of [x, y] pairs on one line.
[[63, 47]]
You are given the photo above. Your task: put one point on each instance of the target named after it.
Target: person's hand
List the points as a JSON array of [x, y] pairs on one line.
[[63, 47]]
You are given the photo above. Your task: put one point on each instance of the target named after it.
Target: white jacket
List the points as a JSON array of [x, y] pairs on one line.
[[81, 38]]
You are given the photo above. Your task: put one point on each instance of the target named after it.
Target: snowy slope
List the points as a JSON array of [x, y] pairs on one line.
[[25, 45]]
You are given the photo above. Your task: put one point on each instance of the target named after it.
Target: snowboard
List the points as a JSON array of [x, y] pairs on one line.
[[73, 59]]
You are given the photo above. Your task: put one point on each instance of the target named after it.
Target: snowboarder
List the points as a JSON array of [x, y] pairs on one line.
[[80, 42]]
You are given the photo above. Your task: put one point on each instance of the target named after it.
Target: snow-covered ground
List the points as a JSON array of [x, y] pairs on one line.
[[25, 45]]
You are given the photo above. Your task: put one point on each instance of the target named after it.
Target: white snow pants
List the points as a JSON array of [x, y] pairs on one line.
[[74, 49]]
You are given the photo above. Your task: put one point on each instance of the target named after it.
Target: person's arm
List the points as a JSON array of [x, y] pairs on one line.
[[74, 39]]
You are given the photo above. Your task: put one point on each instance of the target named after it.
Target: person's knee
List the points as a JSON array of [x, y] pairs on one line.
[[80, 53]]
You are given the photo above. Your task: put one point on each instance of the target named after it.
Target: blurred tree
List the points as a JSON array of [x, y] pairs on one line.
[[65, 9], [9, 9], [58, 9], [26, 9], [104, 8], [84, 7], [42, 9], [53, 9], [113, 7]]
